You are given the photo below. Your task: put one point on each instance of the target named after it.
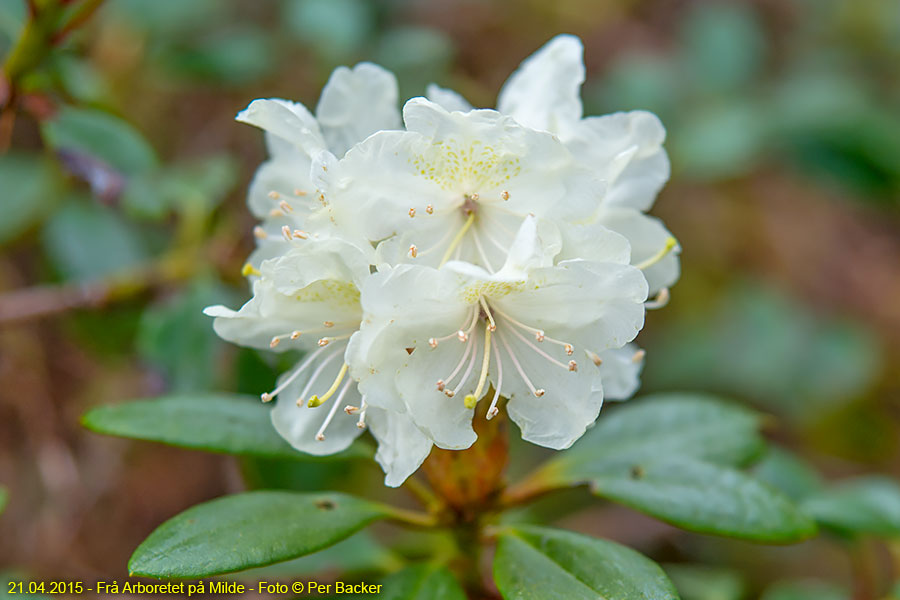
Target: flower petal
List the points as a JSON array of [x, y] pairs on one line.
[[447, 99], [620, 371], [543, 93], [287, 120], [355, 104], [402, 448]]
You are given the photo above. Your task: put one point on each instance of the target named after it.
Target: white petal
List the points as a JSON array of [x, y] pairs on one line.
[[402, 448], [343, 264], [544, 92], [277, 180], [290, 121], [593, 242], [357, 103], [300, 424], [447, 98], [627, 148], [620, 371], [647, 237]]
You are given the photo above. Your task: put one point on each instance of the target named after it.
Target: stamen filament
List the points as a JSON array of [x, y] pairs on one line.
[[670, 244], [468, 372], [662, 298], [536, 391], [315, 375], [487, 312], [266, 397], [462, 361], [458, 238], [493, 410], [539, 332], [481, 252], [472, 399], [316, 400], [320, 435], [362, 416], [538, 350]]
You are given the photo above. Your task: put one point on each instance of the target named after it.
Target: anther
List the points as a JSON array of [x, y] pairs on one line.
[[286, 232], [276, 212], [299, 192], [429, 209], [595, 358], [569, 349], [249, 269], [351, 410], [474, 197], [432, 342], [413, 251], [328, 323], [323, 341], [275, 341], [504, 194], [285, 206], [260, 233], [449, 393], [320, 437], [573, 366], [492, 412], [412, 213], [296, 334], [462, 335], [539, 336], [539, 392], [299, 233], [274, 195], [265, 397], [638, 356], [440, 385]]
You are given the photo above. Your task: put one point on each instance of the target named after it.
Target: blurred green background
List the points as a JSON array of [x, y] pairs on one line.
[[122, 185]]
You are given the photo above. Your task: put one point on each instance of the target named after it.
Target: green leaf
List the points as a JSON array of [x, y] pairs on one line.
[[805, 589], [535, 563], [868, 505], [28, 193], [86, 241], [333, 28], [250, 530], [706, 498], [422, 582], [788, 474], [690, 425], [100, 135], [703, 582], [223, 423]]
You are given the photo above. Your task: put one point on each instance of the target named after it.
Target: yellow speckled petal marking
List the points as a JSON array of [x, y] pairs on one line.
[[465, 166]]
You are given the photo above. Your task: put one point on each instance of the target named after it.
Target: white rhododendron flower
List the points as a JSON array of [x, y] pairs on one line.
[[453, 256]]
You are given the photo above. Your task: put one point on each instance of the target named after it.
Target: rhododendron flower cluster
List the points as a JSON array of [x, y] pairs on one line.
[[430, 260]]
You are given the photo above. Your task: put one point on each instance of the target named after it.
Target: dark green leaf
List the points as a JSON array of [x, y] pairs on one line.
[[28, 195], [100, 135], [86, 241], [691, 425], [213, 422], [422, 582], [534, 563], [706, 498], [4, 498], [250, 530], [787, 473], [359, 553], [868, 505], [809, 589]]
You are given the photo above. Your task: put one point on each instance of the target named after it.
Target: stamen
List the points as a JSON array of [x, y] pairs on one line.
[[249, 269], [350, 409], [595, 358], [472, 399], [474, 197], [461, 334], [412, 213], [328, 323], [275, 213], [671, 242], [458, 238], [487, 312], [316, 373], [429, 209], [538, 350], [275, 341], [413, 251], [299, 192], [569, 349], [492, 409], [468, 372], [362, 416], [274, 195], [662, 298], [320, 435], [537, 392], [443, 382], [432, 342], [323, 342], [296, 334], [504, 194], [286, 232], [638, 356], [316, 400], [268, 396], [285, 206], [299, 233], [481, 252], [260, 233], [573, 366], [538, 333]]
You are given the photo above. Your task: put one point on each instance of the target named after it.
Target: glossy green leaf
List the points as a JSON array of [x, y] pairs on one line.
[[214, 422], [705, 498], [534, 563], [868, 505], [250, 530], [85, 241], [28, 193], [691, 425], [100, 135], [788, 474], [422, 582]]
